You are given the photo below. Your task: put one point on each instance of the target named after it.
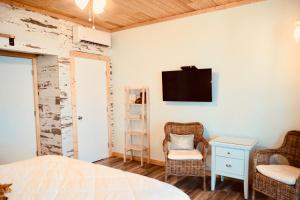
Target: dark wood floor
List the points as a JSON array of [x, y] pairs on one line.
[[230, 189]]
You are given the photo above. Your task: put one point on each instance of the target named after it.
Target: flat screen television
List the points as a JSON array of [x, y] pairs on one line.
[[187, 85]]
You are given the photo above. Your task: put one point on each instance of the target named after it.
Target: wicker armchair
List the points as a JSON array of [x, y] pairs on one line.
[[185, 167], [273, 188]]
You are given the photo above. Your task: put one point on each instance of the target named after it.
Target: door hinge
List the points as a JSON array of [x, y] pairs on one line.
[[34, 113]]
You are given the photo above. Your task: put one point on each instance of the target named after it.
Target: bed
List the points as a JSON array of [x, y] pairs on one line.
[[57, 177]]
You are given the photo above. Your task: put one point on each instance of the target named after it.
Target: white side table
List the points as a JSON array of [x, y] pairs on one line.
[[230, 157]]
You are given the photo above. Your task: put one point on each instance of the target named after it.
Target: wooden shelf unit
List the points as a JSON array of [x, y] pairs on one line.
[[137, 115]]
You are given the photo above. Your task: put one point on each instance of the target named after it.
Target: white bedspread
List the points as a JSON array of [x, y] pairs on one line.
[[56, 177]]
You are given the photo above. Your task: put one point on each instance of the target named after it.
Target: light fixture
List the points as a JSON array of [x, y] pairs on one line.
[[98, 6], [95, 7], [81, 3], [297, 31]]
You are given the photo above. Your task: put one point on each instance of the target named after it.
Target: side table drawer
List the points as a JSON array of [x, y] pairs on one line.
[[230, 153], [230, 165]]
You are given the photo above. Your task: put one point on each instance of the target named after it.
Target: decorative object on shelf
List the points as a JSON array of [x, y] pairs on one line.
[[137, 131], [185, 161], [279, 181], [95, 7], [139, 99], [230, 157]]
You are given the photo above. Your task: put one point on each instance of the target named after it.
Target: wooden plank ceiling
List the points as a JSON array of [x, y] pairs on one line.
[[123, 14]]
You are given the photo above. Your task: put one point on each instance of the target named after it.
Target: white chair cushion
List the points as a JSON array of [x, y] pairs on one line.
[[283, 173], [185, 155]]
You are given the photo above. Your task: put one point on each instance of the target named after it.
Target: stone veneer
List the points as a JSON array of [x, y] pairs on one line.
[[52, 39], [49, 106]]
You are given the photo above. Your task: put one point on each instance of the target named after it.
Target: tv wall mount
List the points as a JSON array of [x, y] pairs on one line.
[[188, 68]]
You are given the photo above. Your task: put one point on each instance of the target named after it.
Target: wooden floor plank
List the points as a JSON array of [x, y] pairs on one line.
[[230, 189]]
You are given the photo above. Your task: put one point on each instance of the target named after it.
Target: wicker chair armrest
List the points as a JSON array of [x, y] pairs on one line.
[[204, 146], [262, 157], [298, 186], [165, 147]]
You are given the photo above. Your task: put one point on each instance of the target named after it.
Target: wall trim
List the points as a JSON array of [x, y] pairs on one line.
[[17, 54], [137, 158], [35, 92], [74, 54]]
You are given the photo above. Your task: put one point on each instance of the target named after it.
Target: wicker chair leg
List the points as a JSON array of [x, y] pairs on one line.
[[204, 179], [166, 170], [204, 183], [253, 194]]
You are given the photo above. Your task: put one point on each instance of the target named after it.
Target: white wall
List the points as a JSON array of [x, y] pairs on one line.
[[255, 63]]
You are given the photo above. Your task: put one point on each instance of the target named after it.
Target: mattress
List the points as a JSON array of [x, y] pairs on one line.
[[57, 177]]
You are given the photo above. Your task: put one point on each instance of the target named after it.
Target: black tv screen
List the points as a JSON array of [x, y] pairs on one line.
[[187, 85]]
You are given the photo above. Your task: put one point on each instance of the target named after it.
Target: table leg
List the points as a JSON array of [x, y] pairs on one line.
[[222, 178], [246, 188], [246, 172], [213, 181], [213, 172]]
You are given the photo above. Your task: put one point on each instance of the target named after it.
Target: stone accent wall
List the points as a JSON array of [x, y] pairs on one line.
[[41, 34], [111, 108], [49, 106], [65, 106]]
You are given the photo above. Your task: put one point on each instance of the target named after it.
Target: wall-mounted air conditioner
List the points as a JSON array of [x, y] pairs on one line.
[[81, 33]]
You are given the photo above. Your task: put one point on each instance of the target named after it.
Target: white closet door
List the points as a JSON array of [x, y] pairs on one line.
[[17, 122], [91, 109]]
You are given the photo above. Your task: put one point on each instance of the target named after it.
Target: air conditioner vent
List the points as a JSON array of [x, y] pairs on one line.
[[88, 35]]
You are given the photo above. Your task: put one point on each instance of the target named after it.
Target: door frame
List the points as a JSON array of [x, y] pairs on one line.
[[35, 92], [78, 54]]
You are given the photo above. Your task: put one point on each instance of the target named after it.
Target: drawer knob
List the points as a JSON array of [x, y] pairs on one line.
[[228, 153], [228, 165]]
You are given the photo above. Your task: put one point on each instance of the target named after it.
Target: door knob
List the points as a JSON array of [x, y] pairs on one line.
[[79, 117]]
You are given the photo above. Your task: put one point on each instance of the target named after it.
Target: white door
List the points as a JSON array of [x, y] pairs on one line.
[[17, 121], [92, 133]]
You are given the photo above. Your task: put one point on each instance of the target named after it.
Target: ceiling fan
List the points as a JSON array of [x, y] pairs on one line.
[[95, 7]]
